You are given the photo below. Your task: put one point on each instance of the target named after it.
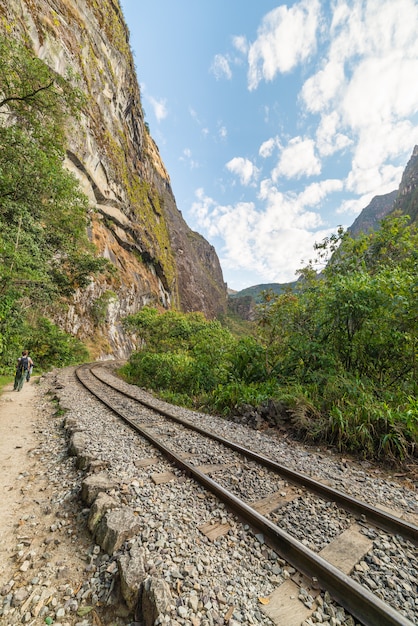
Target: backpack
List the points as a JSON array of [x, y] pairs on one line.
[[23, 364]]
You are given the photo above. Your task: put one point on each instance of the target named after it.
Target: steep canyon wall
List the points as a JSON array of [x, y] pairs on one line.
[[135, 222]]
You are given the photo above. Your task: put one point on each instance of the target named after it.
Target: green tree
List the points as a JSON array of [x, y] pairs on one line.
[[45, 254], [50, 346], [370, 303], [348, 338], [358, 316]]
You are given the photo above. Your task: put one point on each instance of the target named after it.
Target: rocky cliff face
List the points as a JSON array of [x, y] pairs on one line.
[[135, 222], [370, 217], [403, 199], [407, 199], [244, 307]]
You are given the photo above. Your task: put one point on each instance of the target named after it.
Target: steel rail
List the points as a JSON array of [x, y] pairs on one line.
[[382, 519], [358, 601]]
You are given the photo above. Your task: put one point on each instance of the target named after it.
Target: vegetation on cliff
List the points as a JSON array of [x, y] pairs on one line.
[[336, 358], [45, 254]]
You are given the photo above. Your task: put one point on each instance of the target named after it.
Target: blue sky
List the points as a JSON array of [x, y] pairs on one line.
[[277, 122]]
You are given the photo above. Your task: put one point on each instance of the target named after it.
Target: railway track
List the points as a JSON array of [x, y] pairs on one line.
[[198, 452]]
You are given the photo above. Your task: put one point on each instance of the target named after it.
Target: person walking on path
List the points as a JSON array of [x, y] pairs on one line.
[[24, 365], [30, 369]]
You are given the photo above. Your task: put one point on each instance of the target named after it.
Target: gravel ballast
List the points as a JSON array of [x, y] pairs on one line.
[[187, 579]]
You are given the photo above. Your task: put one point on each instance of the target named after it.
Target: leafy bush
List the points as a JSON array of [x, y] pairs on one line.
[[229, 398], [163, 371], [49, 347], [373, 430], [100, 307], [248, 361], [182, 353]]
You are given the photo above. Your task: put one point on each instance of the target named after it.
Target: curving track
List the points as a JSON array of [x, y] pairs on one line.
[[196, 451]]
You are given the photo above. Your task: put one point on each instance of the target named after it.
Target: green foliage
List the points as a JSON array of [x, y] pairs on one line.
[[50, 346], [34, 96], [166, 370], [248, 361], [43, 213], [236, 325], [182, 353], [45, 254], [350, 339], [373, 428], [229, 398], [5, 380], [337, 356], [100, 307]]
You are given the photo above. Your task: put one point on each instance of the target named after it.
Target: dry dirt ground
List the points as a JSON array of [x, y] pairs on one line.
[[35, 555], [18, 438]]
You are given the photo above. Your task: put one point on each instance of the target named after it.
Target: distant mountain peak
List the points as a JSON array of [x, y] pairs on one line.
[[373, 213]]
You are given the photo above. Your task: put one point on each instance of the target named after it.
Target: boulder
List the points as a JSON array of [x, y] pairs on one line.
[[156, 600], [100, 506], [95, 484], [132, 575], [116, 527], [78, 444]]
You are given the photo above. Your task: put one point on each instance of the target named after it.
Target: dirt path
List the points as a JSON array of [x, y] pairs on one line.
[[43, 544], [17, 439]]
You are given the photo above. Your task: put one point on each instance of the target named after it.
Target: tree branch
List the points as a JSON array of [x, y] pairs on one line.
[[28, 96]]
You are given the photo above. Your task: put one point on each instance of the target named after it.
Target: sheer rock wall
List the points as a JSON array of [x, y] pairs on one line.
[[135, 222]]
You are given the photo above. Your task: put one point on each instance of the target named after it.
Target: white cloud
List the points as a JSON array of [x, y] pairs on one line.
[[297, 159], [364, 91], [267, 147], [328, 139], [286, 37], [159, 106], [187, 157], [374, 180], [321, 89], [366, 72], [381, 90], [354, 206], [244, 169], [378, 146], [240, 43], [381, 142], [289, 210], [371, 27], [272, 242], [220, 67], [194, 115], [316, 192], [223, 133]]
